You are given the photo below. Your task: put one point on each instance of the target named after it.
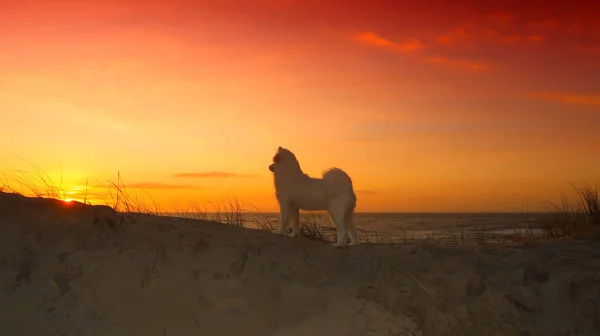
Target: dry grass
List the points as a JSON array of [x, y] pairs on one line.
[[230, 212], [575, 217], [192, 211], [36, 183], [315, 227], [123, 200]]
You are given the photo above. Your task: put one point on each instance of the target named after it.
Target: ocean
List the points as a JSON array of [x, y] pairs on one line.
[[397, 227]]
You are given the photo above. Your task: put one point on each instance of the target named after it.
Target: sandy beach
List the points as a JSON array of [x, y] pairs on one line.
[[70, 269]]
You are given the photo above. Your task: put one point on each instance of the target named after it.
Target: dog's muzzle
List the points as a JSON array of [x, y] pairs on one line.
[[272, 168]]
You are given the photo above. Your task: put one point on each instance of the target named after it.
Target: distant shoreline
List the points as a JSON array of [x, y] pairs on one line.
[[395, 213]]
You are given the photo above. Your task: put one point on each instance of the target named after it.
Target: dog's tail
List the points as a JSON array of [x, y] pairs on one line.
[[339, 183]]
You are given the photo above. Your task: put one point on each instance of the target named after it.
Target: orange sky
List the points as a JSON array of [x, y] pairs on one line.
[[430, 107]]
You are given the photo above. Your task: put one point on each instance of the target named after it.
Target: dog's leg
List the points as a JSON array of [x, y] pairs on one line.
[[351, 230], [284, 219], [295, 219], [337, 213]]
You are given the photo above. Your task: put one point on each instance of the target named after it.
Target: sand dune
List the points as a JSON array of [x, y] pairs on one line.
[[75, 270]]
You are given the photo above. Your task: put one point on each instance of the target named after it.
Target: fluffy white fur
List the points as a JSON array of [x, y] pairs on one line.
[[295, 190]]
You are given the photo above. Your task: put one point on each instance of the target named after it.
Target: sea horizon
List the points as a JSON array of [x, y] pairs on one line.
[[386, 212], [396, 226]]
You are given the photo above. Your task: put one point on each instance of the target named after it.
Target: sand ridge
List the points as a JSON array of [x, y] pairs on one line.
[[83, 270]]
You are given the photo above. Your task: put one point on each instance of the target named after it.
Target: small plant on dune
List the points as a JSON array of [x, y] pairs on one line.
[[317, 228], [192, 211], [229, 212], [122, 200], [262, 220], [312, 225], [576, 217], [36, 183], [589, 200]]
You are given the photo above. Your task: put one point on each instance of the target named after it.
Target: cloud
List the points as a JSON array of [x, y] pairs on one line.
[[511, 38], [501, 27], [159, 185], [213, 174], [549, 25], [459, 33], [372, 39], [481, 32], [459, 63], [535, 38], [502, 18], [593, 49], [568, 98]]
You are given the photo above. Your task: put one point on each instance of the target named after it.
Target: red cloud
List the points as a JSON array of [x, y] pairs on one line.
[[502, 18], [412, 44], [459, 33], [523, 26], [569, 98], [459, 63], [591, 49], [511, 38], [550, 25], [479, 33], [535, 38], [370, 38]]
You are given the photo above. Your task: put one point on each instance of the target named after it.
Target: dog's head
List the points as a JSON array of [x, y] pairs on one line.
[[284, 159]]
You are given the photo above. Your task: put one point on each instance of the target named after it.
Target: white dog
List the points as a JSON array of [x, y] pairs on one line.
[[296, 190]]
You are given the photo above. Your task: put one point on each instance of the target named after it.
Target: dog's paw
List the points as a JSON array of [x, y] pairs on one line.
[[278, 232], [337, 245], [353, 244], [293, 234]]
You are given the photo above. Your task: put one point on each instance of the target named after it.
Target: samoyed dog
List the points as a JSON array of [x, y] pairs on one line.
[[295, 190]]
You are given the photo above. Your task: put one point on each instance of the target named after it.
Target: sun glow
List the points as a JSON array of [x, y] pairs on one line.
[[77, 193]]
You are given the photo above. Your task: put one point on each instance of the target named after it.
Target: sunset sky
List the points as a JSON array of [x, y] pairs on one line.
[[428, 105]]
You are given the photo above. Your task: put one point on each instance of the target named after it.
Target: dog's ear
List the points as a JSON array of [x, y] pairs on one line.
[[279, 149]]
